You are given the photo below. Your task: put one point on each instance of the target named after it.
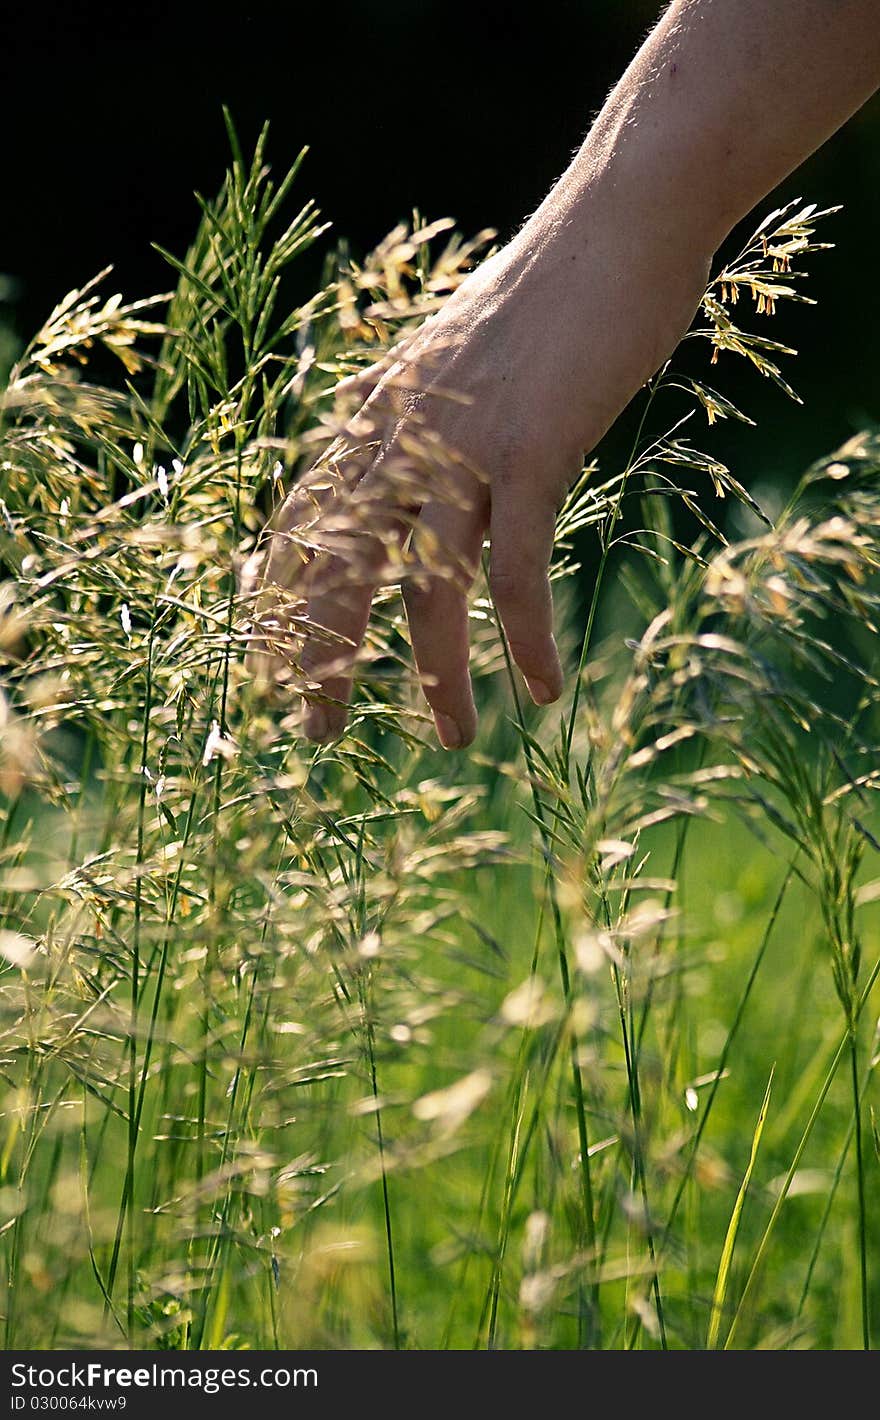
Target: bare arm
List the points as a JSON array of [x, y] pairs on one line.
[[550, 339], [723, 100]]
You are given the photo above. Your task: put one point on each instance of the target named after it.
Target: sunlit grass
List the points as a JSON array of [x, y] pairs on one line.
[[363, 1045]]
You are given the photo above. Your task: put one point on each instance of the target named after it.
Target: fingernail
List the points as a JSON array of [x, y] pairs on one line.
[[540, 692], [449, 732]]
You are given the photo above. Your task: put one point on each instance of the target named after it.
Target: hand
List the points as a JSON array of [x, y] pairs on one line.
[[482, 421], [476, 427]]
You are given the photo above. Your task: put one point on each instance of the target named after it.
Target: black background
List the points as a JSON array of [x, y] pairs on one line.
[[111, 116]]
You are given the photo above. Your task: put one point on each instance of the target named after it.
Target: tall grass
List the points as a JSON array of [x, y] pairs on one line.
[[363, 1045]]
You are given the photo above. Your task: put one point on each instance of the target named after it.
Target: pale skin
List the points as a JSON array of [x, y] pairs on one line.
[[548, 341]]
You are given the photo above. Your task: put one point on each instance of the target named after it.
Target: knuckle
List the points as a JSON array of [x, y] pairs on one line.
[[517, 586]]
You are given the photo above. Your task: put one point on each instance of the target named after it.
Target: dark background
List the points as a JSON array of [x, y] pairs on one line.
[[111, 117]]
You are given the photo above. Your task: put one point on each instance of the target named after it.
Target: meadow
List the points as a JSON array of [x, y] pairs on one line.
[[565, 1041]]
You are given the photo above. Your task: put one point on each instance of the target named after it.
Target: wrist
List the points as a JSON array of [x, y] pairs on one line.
[[598, 296], [614, 244]]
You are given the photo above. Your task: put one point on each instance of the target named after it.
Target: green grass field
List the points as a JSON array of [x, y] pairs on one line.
[[567, 1041]]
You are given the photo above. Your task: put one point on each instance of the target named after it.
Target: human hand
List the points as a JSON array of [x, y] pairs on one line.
[[476, 427], [482, 421]]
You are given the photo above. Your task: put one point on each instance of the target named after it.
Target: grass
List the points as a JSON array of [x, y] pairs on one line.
[[363, 1045]]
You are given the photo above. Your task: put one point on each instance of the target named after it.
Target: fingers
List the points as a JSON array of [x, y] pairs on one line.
[[342, 533], [338, 610], [334, 538], [294, 636], [354, 540], [272, 579], [447, 544], [373, 521], [325, 616], [522, 529]]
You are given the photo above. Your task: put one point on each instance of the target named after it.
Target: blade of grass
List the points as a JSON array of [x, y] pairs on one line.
[[795, 1163], [721, 1281]]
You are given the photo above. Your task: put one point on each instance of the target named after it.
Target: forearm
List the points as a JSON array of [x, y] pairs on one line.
[[549, 339], [722, 101]]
